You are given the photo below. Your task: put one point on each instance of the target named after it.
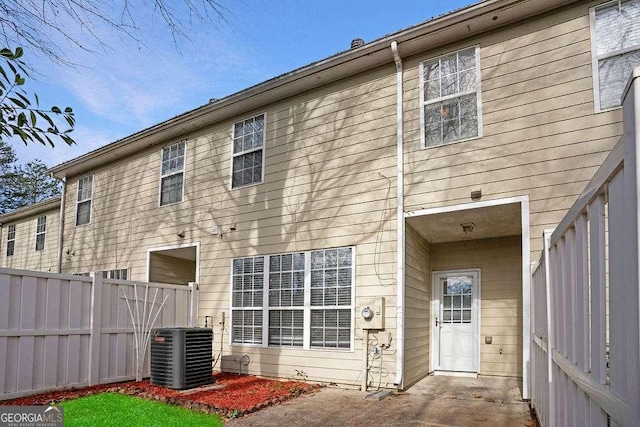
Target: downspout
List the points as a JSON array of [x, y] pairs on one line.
[[400, 220], [61, 223]]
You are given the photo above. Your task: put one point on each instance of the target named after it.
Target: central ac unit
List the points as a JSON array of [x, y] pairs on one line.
[[181, 357]]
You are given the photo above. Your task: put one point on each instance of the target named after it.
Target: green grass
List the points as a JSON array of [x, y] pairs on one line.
[[112, 409]]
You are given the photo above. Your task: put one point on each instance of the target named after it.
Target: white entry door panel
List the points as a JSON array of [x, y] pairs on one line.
[[456, 323]]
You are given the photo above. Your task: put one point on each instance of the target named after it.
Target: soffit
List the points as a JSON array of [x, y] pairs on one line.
[[488, 222]]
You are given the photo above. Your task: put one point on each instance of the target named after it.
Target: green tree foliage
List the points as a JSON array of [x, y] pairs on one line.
[[23, 185], [21, 117]]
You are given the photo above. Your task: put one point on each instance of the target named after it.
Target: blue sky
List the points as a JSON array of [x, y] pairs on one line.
[[130, 86]]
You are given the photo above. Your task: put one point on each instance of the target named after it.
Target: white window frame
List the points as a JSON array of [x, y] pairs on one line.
[[167, 175], [11, 239], [595, 58], [89, 199], [241, 153], [477, 91], [41, 232], [307, 307]]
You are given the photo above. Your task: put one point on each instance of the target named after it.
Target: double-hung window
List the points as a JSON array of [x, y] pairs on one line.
[[11, 239], [301, 299], [247, 161], [41, 231], [450, 98], [247, 290], [83, 207], [615, 43], [172, 174]]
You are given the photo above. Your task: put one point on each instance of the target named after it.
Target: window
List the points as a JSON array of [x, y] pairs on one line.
[[248, 152], [41, 230], [450, 98], [247, 299], [172, 174], [305, 297], [83, 208], [120, 274], [615, 43], [11, 239]]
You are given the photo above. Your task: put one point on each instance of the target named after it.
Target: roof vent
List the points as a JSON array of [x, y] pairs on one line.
[[356, 43]]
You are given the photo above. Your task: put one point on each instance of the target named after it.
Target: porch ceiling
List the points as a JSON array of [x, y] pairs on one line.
[[490, 221], [188, 253]]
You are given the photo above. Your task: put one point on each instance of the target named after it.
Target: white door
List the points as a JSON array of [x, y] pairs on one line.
[[456, 322]]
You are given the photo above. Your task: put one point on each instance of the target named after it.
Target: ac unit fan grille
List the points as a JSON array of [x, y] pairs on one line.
[[181, 357]]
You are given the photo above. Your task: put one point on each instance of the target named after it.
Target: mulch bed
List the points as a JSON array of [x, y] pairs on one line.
[[233, 396]]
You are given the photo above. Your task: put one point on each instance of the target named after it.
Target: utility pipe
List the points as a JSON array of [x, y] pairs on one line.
[[365, 360], [61, 222], [400, 220]]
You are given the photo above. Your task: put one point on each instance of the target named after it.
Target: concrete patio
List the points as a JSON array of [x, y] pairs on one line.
[[434, 401]]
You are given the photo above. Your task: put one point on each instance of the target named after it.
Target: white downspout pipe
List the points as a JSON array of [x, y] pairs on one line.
[[400, 220], [61, 223]]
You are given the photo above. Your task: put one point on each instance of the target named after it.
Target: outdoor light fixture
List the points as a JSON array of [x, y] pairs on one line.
[[181, 235], [467, 228]]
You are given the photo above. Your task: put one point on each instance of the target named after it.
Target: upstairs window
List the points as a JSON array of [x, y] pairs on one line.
[[248, 152], [11, 239], [83, 207], [172, 174], [41, 231], [301, 299], [450, 98], [615, 44]]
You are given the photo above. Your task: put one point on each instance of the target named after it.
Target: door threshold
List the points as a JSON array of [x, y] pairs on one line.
[[455, 374]]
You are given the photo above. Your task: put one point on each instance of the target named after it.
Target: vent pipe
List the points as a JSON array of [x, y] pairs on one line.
[[356, 43]]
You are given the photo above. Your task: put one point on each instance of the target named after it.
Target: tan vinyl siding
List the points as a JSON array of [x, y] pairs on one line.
[[417, 305], [541, 137], [500, 262], [319, 192], [25, 255]]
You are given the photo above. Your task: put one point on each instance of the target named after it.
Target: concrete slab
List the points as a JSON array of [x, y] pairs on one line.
[[434, 401]]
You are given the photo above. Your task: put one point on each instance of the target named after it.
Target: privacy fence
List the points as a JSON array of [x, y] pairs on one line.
[[59, 331], [585, 298]]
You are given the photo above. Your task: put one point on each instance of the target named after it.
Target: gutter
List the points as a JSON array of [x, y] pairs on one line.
[[61, 223], [400, 219]]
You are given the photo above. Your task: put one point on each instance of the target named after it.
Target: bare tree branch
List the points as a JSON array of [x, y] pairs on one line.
[[46, 27]]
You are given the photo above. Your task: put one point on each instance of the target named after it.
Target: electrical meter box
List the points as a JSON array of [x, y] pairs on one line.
[[371, 314]]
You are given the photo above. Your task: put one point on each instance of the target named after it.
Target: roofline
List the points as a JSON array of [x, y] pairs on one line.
[[44, 206], [343, 64]]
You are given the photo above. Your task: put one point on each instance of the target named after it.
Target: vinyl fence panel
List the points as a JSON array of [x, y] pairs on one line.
[[59, 331]]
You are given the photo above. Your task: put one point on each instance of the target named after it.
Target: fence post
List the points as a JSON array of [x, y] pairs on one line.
[[631, 275], [546, 243], [193, 304], [95, 325]]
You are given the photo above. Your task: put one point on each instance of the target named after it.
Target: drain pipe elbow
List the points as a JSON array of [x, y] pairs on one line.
[[399, 381]]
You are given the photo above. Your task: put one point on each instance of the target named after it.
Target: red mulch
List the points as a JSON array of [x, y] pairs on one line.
[[241, 394]]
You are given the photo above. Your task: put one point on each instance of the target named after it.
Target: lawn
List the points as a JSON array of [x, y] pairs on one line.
[[112, 409]]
